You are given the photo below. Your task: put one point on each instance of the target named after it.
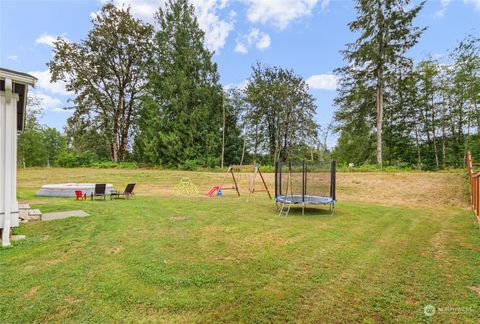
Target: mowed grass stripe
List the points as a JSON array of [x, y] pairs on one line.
[[372, 264], [169, 259]]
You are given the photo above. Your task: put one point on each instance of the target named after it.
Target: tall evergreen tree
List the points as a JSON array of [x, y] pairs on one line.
[[385, 35], [465, 91], [427, 88], [181, 117], [397, 130], [354, 118]]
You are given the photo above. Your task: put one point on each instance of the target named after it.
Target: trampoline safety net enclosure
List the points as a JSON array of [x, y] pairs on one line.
[[305, 183]]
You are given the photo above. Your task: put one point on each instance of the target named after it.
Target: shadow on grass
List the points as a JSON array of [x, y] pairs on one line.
[[311, 212]]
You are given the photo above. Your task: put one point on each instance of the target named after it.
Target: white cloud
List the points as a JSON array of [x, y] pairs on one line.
[[475, 3], [264, 41], [322, 82], [324, 4], [216, 30], [443, 7], [46, 39], [59, 110], [240, 48], [143, 9], [242, 85], [47, 102], [44, 83], [207, 11], [440, 13], [12, 57], [94, 14], [280, 12], [255, 37]]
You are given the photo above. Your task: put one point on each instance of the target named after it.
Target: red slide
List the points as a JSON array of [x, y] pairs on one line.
[[212, 191]]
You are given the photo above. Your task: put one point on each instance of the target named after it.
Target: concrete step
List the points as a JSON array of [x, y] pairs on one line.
[[65, 214], [23, 215], [35, 214], [23, 206]]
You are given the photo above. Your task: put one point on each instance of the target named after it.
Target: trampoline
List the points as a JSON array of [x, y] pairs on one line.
[[304, 183]]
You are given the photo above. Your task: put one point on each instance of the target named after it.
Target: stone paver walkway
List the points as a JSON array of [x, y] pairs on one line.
[[66, 214]]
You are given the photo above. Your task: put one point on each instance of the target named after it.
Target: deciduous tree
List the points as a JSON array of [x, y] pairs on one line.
[[282, 111], [106, 72]]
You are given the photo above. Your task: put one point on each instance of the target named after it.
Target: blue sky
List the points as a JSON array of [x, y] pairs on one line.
[[305, 35]]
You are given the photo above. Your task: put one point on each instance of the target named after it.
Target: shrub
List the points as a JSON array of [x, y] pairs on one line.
[[213, 162], [267, 168], [113, 165], [73, 160], [189, 165], [375, 168], [66, 160], [86, 158]]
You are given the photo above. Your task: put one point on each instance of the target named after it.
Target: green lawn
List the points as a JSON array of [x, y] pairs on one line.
[[162, 258]]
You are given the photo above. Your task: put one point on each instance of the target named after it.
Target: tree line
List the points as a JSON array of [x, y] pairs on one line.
[[151, 94], [39, 145], [392, 110]]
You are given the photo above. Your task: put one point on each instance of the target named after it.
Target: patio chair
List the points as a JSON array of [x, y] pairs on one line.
[[99, 191], [80, 195], [127, 193]]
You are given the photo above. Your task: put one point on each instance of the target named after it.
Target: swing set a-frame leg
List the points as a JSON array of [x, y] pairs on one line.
[[264, 183], [225, 177], [235, 182]]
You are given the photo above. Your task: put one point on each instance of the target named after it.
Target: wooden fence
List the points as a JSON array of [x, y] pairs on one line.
[[474, 177]]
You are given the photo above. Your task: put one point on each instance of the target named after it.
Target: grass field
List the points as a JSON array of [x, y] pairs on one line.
[[396, 243]]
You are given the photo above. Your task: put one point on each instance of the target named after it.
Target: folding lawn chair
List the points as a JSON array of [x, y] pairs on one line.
[[99, 191], [127, 193]]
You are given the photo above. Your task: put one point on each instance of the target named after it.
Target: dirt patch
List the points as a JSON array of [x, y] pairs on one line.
[[32, 292], [29, 267], [178, 218], [475, 289], [71, 300], [53, 262], [437, 243], [275, 292], [115, 250]]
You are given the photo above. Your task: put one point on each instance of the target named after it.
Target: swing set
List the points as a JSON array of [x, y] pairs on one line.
[[239, 173]]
